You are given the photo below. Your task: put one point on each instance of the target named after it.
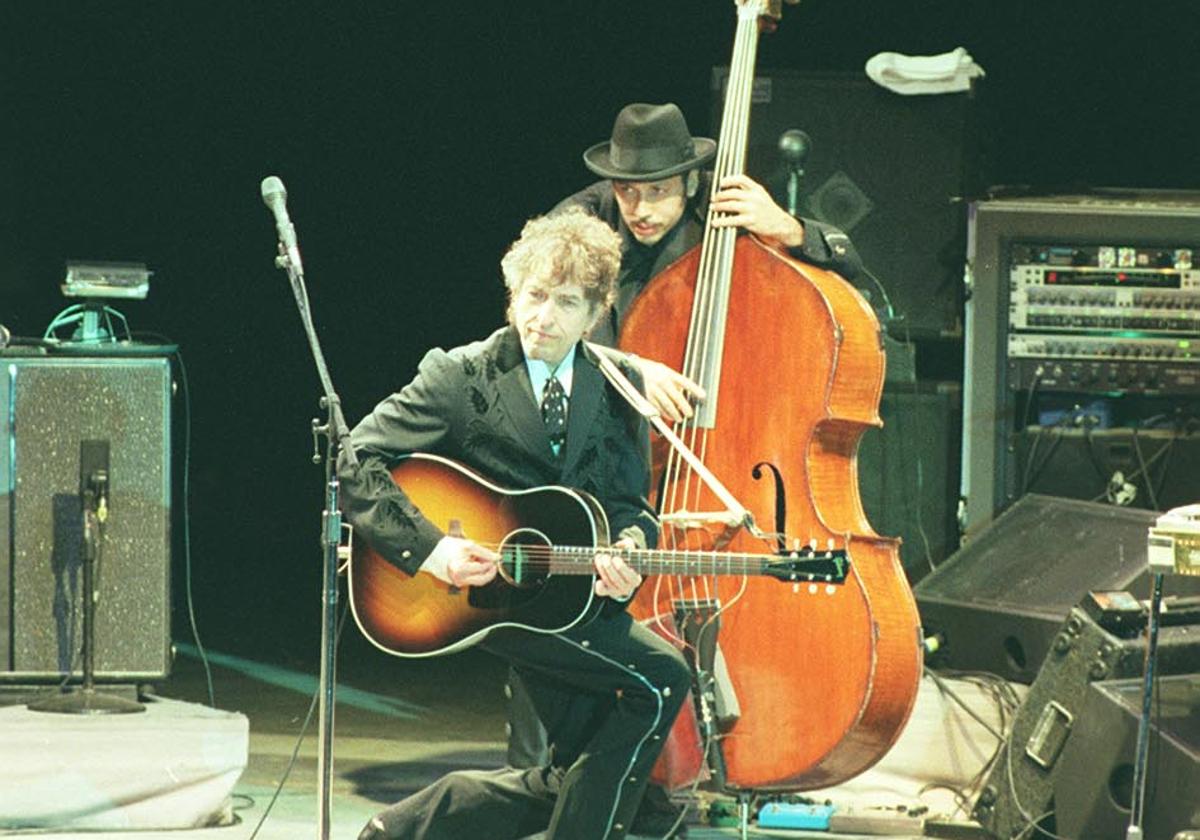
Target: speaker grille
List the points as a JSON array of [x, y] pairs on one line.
[[53, 405]]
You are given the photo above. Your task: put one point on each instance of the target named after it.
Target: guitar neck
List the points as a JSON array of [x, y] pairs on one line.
[[802, 565], [577, 560]]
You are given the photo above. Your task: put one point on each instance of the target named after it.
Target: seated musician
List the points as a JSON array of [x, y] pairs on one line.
[[528, 406]]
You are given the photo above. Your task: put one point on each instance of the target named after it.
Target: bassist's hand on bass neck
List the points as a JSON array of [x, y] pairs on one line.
[[742, 202]]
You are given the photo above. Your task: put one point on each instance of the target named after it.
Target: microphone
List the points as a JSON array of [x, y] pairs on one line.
[[94, 470], [794, 146], [275, 197]]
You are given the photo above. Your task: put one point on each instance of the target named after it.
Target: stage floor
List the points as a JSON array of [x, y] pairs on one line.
[[399, 725]]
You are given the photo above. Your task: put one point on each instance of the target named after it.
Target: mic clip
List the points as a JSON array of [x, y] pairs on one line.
[[96, 494]]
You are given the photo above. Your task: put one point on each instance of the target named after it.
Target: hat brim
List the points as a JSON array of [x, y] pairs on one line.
[[597, 159]]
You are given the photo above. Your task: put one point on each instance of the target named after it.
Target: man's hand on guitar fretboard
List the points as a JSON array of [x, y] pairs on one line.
[[461, 562], [615, 578]]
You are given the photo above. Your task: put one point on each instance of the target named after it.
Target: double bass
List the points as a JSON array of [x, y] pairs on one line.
[[791, 358]]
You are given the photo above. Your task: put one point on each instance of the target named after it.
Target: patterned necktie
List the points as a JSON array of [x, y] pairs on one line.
[[554, 413]]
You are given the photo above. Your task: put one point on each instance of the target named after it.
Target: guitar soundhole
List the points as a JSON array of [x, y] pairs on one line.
[[525, 558]]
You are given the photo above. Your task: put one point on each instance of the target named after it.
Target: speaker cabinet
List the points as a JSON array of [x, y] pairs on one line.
[[1053, 722], [1094, 791], [885, 168], [48, 408], [908, 471], [998, 602], [1077, 464]]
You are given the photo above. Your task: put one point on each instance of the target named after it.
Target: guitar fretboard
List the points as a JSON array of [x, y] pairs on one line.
[[579, 560]]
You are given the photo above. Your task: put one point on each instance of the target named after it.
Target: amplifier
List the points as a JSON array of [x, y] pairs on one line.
[[48, 408], [1088, 295], [1093, 792], [1103, 319], [1103, 288], [1055, 724], [1104, 364]]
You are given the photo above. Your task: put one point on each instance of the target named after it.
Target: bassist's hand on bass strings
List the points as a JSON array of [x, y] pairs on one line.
[[669, 391], [743, 202]]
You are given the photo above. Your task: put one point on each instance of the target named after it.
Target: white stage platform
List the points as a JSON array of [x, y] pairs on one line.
[[173, 766], [942, 751]]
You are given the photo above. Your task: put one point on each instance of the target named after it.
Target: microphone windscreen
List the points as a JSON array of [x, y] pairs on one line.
[[273, 190]]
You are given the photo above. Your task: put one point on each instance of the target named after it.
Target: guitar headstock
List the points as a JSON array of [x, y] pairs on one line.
[[808, 564]]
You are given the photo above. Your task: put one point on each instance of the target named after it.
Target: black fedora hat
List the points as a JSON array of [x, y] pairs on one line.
[[649, 142]]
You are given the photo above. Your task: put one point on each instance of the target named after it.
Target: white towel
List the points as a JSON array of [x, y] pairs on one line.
[[912, 74]]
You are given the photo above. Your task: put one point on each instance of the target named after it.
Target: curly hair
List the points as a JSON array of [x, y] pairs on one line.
[[568, 247]]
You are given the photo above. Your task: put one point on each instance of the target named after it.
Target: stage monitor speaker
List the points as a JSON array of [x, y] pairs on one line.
[[998, 602], [1032, 763], [887, 169], [1094, 790], [908, 471], [48, 407]]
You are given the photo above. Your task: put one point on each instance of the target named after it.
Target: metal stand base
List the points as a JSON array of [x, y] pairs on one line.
[[743, 816], [86, 701]]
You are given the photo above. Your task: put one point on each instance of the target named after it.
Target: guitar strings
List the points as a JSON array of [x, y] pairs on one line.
[[727, 563]]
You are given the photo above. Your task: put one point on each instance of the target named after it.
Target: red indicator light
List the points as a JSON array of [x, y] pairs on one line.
[[1122, 277], [1052, 277]]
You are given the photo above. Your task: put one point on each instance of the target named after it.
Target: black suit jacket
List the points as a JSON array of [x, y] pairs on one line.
[[475, 404]]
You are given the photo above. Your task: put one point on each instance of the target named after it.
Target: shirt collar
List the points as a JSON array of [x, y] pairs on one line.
[[540, 372]]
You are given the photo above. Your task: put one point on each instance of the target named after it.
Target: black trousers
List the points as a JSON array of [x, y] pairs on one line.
[[607, 694]]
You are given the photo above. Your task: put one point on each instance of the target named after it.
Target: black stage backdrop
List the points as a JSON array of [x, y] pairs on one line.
[[414, 139]]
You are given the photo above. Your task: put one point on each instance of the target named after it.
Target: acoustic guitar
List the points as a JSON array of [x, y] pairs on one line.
[[547, 538]]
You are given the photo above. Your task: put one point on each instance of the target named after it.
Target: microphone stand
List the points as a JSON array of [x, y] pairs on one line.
[[336, 433], [1136, 810], [794, 146], [86, 700]]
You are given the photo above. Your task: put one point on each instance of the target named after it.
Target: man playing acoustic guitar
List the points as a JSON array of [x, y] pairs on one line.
[[525, 407]]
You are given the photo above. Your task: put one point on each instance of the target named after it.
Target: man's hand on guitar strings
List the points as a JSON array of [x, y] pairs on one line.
[[614, 577], [461, 562]]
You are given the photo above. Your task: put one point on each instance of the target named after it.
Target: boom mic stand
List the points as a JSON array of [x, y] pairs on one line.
[[94, 509], [336, 434]]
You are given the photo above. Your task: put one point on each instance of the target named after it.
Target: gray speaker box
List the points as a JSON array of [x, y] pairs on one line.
[[48, 407], [1021, 785], [1094, 790], [998, 602]]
